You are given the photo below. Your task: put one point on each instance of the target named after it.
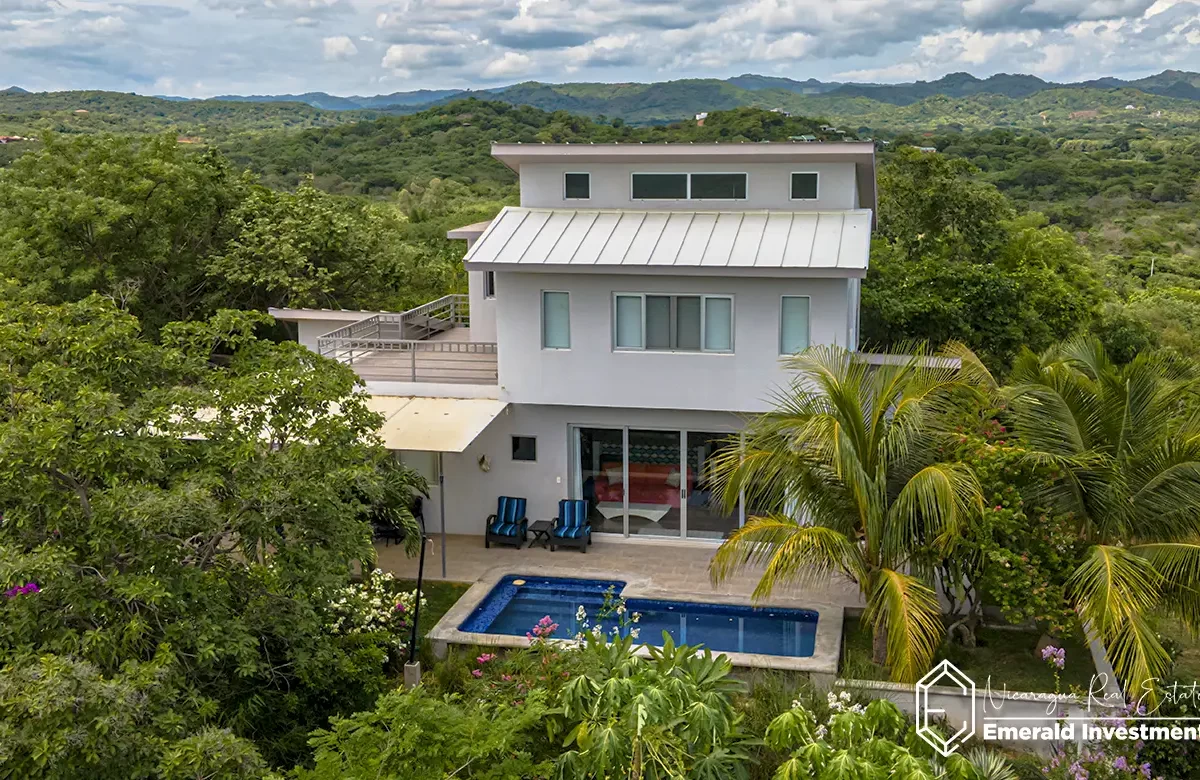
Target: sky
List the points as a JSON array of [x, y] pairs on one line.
[[201, 48]]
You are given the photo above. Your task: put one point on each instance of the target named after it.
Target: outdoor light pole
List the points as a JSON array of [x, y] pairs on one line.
[[412, 667]]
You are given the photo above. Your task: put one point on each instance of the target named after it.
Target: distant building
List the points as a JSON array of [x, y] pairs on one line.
[[927, 149], [701, 117], [1131, 107], [7, 139], [781, 111], [805, 138]]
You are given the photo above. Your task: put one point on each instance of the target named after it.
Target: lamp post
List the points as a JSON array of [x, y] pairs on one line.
[[412, 666]]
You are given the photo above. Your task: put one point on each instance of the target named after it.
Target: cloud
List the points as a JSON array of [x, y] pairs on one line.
[[339, 47], [510, 64], [392, 45], [103, 25]]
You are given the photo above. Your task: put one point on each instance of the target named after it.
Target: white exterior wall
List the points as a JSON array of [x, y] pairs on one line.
[[768, 186], [592, 373], [483, 309], [309, 331], [472, 492]]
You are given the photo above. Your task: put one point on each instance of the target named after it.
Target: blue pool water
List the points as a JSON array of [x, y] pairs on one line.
[[514, 609]]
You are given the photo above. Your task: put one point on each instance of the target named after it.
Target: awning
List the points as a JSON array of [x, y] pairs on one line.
[[433, 424]]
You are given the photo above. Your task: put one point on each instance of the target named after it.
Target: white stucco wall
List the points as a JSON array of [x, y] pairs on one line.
[[768, 185], [592, 373], [311, 330], [472, 492], [483, 309]]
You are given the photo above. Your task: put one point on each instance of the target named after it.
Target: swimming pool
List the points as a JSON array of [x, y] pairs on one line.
[[513, 609]]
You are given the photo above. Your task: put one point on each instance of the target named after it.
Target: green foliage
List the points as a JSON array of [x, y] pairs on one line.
[[843, 479], [860, 742], [671, 716], [172, 235], [1122, 443], [181, 517], [952, 264], [415, 735]]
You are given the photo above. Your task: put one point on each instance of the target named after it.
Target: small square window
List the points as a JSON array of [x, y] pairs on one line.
[[524, 448], [577, 186], [660, 186], [804, 186]]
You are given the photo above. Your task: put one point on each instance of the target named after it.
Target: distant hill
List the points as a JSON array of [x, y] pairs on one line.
[[661, 101], [954, 102], [13, 90], [23, 113]]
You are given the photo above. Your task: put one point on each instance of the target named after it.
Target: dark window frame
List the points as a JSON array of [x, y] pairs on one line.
[[518, 440], [567, 190], [816, 185]]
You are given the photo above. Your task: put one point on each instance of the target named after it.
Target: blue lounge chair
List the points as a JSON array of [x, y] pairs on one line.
[[571, 528], [508, 525]]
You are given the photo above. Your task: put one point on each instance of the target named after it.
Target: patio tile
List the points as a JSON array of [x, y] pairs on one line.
[[670, 567]]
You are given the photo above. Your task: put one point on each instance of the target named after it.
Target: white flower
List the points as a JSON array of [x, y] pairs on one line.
[[621, 608], [581, 613], [634, 632], [636, 616]]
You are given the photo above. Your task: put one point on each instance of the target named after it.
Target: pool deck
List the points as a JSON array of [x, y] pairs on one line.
[[650, 571]]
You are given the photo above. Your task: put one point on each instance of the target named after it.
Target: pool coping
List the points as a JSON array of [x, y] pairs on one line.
[[827, 643]]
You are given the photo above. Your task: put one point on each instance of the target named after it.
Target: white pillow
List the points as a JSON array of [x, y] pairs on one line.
[[673, 479]]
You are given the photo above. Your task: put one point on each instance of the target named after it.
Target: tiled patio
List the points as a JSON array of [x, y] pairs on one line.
[[668, 567]]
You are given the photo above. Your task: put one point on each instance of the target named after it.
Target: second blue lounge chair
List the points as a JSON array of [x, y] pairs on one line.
[[571, 528]]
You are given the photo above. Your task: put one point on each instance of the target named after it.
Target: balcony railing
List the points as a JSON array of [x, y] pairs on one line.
[[430, 343]]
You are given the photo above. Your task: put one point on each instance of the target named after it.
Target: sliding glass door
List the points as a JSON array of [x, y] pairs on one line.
[[643, 482], [599, 455], [655, 485], [706, 517]]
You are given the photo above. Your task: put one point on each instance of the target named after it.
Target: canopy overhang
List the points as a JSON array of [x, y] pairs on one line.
[[433, 424]]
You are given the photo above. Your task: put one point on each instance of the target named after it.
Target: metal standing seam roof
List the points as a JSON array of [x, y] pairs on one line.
[[814, 242]]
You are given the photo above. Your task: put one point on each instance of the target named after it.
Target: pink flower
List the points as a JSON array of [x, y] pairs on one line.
[[477, 673], [399, 607], [506, 677], [483, 659]]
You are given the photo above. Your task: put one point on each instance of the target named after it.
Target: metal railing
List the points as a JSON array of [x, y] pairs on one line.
[[402, 346]]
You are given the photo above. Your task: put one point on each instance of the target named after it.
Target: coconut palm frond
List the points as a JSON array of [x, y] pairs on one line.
[[942, 497], [1138, 658], [908, 611], [791, 553], [1112, 586]]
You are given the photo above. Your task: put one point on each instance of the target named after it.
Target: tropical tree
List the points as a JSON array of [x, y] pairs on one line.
[[842, 477], [870, 741], [1124, 446], [173, 518]]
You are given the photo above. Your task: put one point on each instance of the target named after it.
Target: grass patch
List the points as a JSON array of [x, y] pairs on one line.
[[440, 595], [1005, 655], [1187, 662]]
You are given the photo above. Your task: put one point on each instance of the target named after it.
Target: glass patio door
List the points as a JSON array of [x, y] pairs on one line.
[[657, 487], [705, 517], [643, 482], [599, 476]]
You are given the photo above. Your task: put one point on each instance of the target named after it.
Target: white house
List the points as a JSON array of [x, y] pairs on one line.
[[620, 323]]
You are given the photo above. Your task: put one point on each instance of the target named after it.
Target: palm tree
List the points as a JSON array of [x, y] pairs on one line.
[[1125, 443], [842, 478]]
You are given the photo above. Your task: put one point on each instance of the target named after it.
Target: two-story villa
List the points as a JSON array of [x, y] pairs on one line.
[[620, 323]]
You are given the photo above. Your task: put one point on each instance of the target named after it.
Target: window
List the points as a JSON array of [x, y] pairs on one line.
[[689, 186], [793, 324], [577, 186], [673, 323], [524, 448], [489, 284], [718, 186], [660, 186], [804, 186], [556, 320]]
